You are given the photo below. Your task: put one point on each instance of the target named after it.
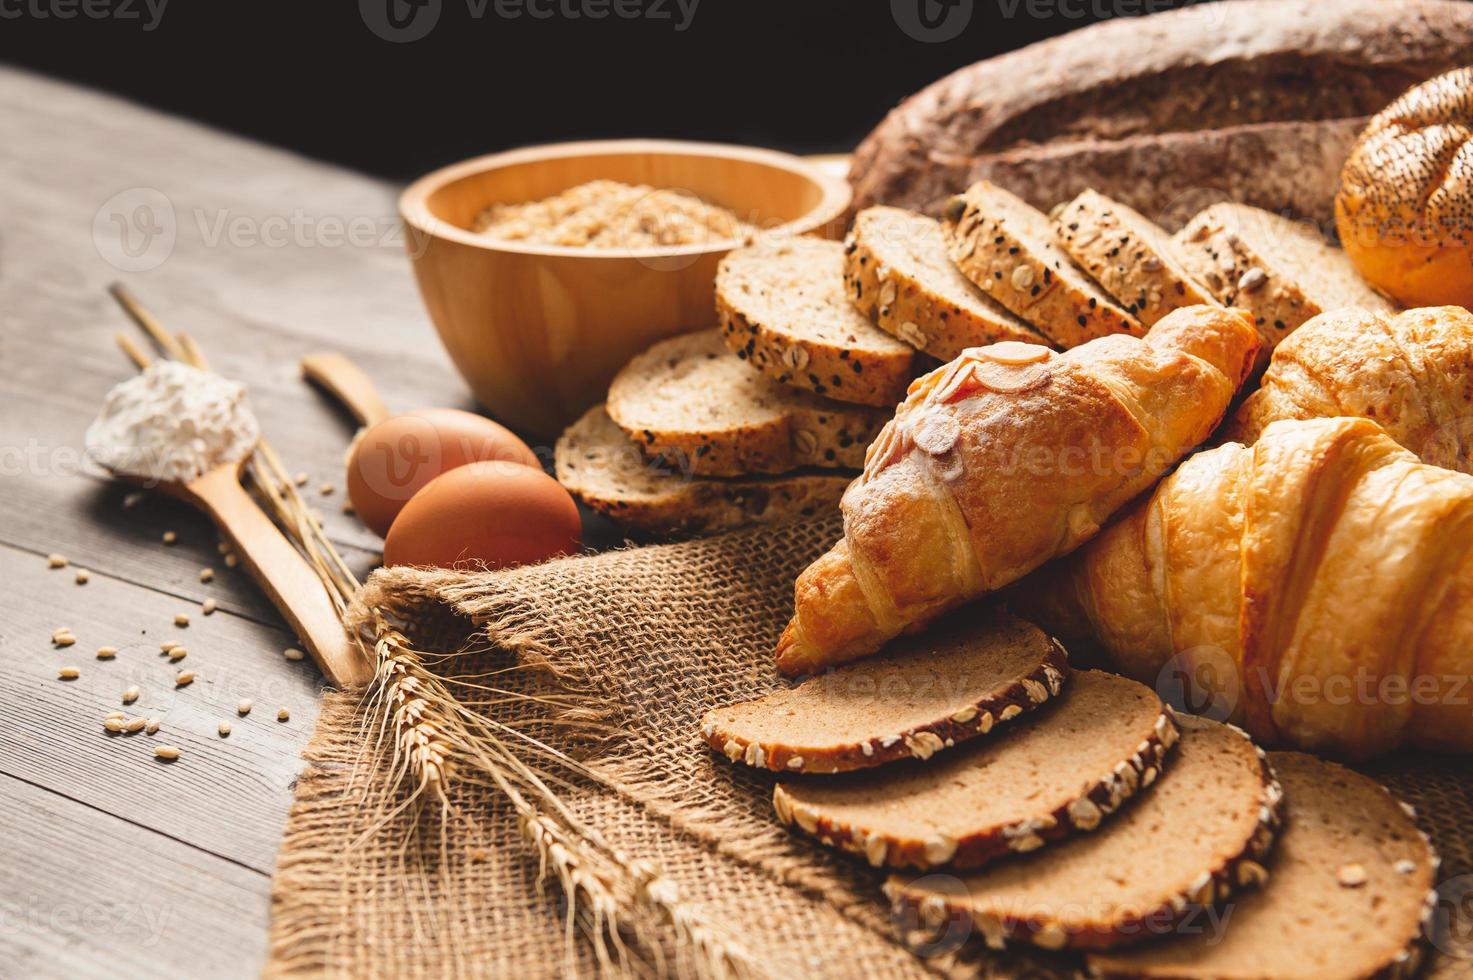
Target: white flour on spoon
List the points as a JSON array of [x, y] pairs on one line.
[[172, 423]]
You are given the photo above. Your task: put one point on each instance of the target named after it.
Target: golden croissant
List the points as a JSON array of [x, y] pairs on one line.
[[1411, 372], [1316, 587], [1002, 459]]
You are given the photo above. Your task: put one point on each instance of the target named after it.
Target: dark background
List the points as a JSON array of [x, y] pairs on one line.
[[313, 75]]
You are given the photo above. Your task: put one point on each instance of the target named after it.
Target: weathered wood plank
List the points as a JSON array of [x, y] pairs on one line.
[[85, 894], [228, 796]]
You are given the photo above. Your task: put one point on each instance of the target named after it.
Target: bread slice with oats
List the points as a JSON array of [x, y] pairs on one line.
[[598, 464], [1201, 835], [694, 402], [1052, 773], [965, 677], [898, 274], [782, 307], [1130, 255], [1007, 248]]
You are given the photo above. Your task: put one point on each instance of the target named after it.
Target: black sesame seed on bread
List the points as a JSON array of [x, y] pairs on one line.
[[964, 678], [1130, 255], [598, 464], [1007, 248], [1054, 772], [693, 401], [899, 275], [1349, 895], [1202, 834], [782, 307], [1283, 272]]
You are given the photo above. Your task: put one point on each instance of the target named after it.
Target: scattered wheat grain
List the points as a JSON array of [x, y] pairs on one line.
[[68, 673], [224, 729], [131, 694], [135, 725], [106, 653], [177, 654], [209, 606], [244, 708], [56, 561], [114, 725], [292, 653], [230, 560], [181, 620], [207, 575], [83, 576], [152, 727], [167, 752], [170, 537], [184, 678], [283, 715]]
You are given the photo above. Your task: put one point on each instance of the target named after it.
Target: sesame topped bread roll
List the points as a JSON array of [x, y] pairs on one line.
[[1002, 459]]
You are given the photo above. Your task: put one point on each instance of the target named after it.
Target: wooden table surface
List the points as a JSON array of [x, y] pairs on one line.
[[114, 863]]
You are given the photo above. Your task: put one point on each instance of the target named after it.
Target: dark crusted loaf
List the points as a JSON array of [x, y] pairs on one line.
[[1208, 67]]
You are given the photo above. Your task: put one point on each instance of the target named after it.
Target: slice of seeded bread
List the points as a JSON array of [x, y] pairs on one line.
[[1130, 255], [598, 464], [694, 402], [782, 306], [1349, 893], [1281, 271], [926, 693], [1052, 773], [1007, 248], [1202, 834], [898, 274]]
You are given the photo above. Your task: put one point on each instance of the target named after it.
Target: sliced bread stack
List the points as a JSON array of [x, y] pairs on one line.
[[1094, 819]]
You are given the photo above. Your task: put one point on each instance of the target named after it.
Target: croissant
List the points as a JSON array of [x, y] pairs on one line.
[[1002, 459], [1411, 372], [1316, 587]]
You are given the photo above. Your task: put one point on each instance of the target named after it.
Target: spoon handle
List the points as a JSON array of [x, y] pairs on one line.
[[346, 382], [284, 574]]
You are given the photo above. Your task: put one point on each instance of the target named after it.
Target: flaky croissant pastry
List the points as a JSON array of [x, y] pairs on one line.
[[1002, 459], [1411, 372], [1316, 587]]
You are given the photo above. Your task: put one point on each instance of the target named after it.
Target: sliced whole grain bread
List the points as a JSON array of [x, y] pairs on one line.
[[899, 275], [1129, 255], [598, 464], [1007, 248], [1202, 834], [1349, 892], [1052, 773], [691, 400], [924, 694], [782, 306], [1283, 272]]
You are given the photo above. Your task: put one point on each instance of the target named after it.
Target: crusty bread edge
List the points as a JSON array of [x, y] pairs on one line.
[[1083, 813], [1244, 869], [921, 742]]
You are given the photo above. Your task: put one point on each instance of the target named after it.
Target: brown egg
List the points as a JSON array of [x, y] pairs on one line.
[[391, 461], [501, 514]]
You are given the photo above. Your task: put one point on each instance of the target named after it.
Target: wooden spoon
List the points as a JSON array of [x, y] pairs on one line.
[[279, 569], [346, 382]]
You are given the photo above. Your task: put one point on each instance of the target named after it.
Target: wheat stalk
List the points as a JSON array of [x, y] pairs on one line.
[[434, 736]]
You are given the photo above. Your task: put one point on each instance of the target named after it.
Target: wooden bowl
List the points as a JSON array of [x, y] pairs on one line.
[[538, 331]]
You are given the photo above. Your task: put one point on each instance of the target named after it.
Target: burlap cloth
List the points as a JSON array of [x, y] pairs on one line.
[[654, 636]]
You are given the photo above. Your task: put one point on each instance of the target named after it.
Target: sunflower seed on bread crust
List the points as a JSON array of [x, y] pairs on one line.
[[1334, 817], [924, 695], [1145, 873], [603, 469], [898, 274], [1007, 248], [695, 402], [1008, 794], [1130, 256], [782, 307]]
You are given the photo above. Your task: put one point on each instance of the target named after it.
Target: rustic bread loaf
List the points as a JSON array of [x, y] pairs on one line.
[[1207, 67], [1291, 167], [926, 693], [782, 307], [1129, 255], [898, 274], [1281, 271], [1202, 834], [1055, 772], [597, 463], [1349, 893], [1405, 205], [1007, 248], [694, 402]]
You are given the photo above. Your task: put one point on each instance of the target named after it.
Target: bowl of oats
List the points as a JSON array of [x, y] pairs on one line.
[[545, 269]]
